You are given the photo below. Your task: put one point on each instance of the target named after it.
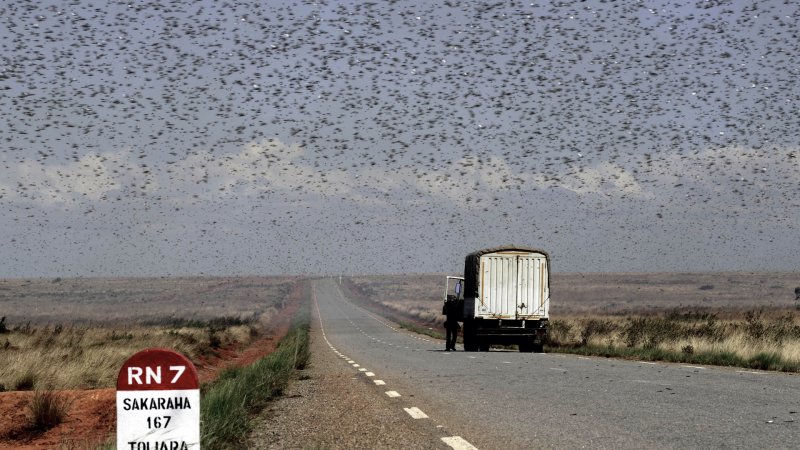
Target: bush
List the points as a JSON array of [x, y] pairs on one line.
[[213, 340], [47, 409], [651, 331], [26, 382], [593, 327], [766, 361], [754, 327], [560, 331], [710, 329]]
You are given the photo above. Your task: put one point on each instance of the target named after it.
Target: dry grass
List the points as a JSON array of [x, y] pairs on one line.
[[79, 357], [703, 337], [47, 409], [75, 333]]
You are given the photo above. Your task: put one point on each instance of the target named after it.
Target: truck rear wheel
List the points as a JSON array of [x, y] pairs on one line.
[[470, 338], [484, 346], [526, 346]]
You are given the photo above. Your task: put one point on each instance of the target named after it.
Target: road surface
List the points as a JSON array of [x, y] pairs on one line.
[[506, 400]]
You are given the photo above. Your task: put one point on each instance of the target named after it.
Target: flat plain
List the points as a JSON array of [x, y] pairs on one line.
[[138, 300], [725, 293]]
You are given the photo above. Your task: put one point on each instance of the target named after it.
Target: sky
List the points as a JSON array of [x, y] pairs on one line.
[[260, 138]]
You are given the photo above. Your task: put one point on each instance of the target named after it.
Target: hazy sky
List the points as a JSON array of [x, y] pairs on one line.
[[189, 138]]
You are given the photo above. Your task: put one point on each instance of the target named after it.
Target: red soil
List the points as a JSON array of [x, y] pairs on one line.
[[92, 415]]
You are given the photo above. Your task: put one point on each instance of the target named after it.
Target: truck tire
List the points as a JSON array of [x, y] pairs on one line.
[[470, 338], [483, 346], [527, 346], [538, 348]]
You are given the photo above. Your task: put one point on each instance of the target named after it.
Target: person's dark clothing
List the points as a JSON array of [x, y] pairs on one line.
[[451, 325]]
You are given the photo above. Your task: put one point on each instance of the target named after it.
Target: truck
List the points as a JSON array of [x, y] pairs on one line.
[[503, 298]]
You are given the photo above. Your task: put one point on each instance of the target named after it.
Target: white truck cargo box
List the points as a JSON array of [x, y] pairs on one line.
[[513, 285], [506, 298]]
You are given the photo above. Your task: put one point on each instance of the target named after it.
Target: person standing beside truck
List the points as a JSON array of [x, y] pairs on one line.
[[451, 326]]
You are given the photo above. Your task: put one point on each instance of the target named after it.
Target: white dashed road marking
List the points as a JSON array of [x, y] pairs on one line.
[[458, 443], [455, 442], [416, 413]]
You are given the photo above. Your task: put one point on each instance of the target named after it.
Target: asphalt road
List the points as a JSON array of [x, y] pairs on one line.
[[506, 400]]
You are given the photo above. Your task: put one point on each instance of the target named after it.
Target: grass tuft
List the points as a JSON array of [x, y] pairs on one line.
[[25, 382], [764, 361], [47, 409]]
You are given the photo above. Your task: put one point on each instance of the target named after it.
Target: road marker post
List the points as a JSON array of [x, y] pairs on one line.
[[158, 402]]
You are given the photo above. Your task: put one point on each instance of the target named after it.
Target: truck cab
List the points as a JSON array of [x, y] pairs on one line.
[[454, 290]]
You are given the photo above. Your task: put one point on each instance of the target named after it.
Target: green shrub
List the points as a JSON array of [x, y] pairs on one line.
[[766, 361]]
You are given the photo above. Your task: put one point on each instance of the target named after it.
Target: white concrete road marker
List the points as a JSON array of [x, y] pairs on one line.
[[392, 394], [158, 402], [380, 382], [416, 413], [369, 374], [458, 443]]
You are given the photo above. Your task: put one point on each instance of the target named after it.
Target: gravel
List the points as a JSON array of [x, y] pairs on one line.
[[331, 406]]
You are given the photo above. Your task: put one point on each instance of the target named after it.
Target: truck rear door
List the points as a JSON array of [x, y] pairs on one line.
[[531, 286], [513, 286]]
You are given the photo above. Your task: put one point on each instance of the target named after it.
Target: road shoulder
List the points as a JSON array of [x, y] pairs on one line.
[[330, 405]]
